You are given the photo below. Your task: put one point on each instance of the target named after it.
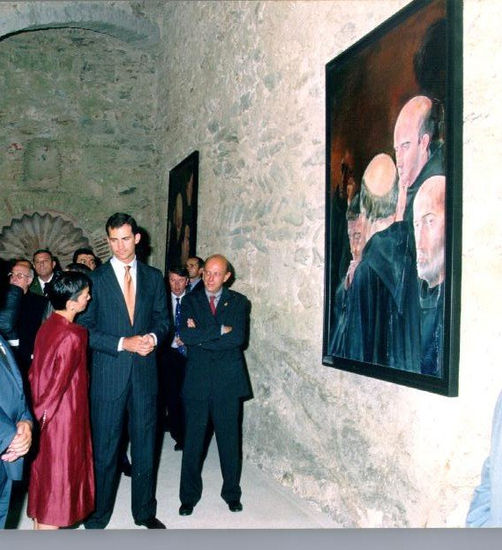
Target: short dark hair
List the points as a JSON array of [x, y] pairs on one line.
[[180, 270], [65, 286], [81, 268], [83, 250], [44, 251], [119, 219], [200, 261]]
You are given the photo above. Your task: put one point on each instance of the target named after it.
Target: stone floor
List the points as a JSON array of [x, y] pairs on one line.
[[267, 505]]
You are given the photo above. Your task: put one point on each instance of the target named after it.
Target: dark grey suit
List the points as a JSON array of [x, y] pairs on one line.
[[199, 285], [9, 311], [124, 382], [13, 408], [172, 366], [215, 384]]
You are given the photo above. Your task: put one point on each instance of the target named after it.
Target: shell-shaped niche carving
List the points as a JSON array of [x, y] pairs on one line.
[[23, 236]]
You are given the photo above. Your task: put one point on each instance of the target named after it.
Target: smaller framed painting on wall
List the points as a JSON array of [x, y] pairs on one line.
[[182, 211]]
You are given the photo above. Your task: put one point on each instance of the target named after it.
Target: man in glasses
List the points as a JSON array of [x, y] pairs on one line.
[[31, 312]]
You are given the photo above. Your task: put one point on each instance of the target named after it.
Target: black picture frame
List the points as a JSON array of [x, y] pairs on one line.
[[181, 239], [371, 313]]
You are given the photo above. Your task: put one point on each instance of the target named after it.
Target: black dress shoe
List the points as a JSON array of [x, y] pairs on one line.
[[151, 523], [186, 510], [235, 506]]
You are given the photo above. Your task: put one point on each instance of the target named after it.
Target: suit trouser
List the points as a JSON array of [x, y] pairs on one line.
[[173, 374], [225, 416], [107, 419], [5, 490]]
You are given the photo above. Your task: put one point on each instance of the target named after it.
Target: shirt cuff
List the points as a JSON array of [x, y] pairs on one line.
[[120, 347]]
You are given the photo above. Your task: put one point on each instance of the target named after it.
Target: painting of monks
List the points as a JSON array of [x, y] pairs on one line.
[[182, 211], [393, 200]]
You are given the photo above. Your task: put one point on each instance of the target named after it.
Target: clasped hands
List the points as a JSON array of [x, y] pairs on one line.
[[21, 442], [140, 344]]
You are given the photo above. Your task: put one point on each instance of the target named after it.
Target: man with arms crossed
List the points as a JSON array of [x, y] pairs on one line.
[[126, 318], [214, 329]]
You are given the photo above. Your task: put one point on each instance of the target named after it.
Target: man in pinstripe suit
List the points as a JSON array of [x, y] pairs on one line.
[[15, 426], [124, 330]]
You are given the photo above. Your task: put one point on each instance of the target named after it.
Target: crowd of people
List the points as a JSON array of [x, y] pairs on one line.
[[97, 360]]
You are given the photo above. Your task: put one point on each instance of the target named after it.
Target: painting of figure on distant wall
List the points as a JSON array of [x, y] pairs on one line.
[[386, 188], [182, 211]]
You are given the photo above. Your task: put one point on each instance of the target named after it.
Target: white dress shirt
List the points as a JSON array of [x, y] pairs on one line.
[[119, 270]]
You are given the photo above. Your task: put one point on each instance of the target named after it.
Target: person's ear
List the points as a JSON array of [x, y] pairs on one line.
[[426, 141]]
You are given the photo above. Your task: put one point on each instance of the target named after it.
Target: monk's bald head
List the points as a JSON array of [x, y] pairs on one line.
[[379, 187], [412, 137]]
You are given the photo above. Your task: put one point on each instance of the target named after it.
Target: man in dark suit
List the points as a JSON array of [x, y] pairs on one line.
[[172, 359], [126, 318], [15, 427], [31, 313], [10, 303], [195, 267], [214, 329], [44, 264]]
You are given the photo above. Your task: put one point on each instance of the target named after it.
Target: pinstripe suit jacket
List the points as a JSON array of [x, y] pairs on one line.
[[107, 321], [13, 408]]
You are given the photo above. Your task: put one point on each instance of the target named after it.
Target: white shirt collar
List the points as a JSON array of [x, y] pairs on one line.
[[116, 263]]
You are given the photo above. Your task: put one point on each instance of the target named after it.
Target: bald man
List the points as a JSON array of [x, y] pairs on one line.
[[32, 309], [214, 330], [429, 229], [382, 314], [418, 151]]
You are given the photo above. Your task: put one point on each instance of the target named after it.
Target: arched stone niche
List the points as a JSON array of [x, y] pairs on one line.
[[117, 19], [41, 157], [24, 235]]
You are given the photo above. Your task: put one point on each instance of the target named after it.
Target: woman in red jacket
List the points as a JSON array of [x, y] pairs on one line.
[[61, 490]]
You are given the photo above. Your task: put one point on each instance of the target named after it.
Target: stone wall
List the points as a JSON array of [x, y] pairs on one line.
[[243, 82], [77, 128]]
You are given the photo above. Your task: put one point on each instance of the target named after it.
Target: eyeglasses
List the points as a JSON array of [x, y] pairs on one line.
[[18, 275]]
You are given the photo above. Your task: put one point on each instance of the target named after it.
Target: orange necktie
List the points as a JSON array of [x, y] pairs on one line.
[[129, 293]]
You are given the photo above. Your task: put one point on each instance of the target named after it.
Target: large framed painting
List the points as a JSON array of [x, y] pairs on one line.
[[394, 200], [182, 211]]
